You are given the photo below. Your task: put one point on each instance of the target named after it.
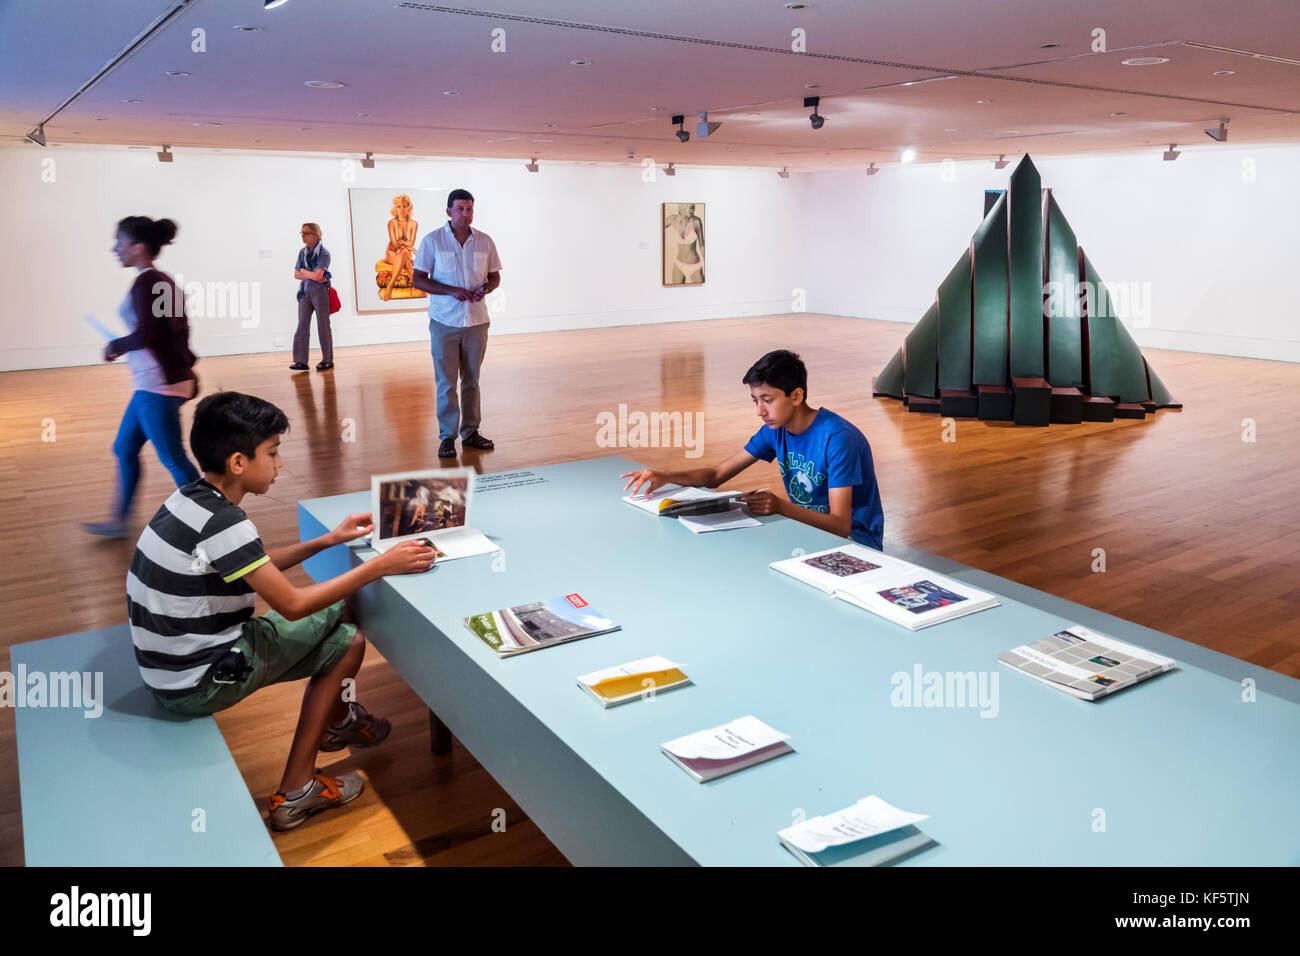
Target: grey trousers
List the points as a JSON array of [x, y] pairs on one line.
[[316, 300], [457, 355]]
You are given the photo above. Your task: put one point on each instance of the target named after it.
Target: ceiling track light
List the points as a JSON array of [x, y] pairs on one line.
[[816, 119], [369, 161], [873, 169], [783, 172], [1001, 162], [37, 135], [531, 165], [1220, 134], [1171, 154], [166, 155], [679, 120], [704, 129], [669, 170]]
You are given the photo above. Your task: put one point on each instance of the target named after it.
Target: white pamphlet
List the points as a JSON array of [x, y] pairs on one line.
[[736, 738], [866, 818]]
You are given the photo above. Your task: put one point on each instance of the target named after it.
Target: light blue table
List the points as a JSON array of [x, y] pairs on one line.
[[1179, 770]]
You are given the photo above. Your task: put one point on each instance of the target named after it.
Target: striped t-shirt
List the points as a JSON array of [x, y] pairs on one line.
[[185, 592]]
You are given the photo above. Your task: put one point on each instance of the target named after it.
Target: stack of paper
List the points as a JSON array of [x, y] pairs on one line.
[[1084, 663], [633, 680], [722, 750], [897, 590], [869, 833]]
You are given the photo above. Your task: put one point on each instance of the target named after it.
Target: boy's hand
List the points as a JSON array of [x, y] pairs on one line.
[[761, 503], [651, 479], [407, 557], [352, 527]]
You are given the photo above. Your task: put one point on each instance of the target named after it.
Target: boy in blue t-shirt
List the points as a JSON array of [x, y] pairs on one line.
[[825, 461]]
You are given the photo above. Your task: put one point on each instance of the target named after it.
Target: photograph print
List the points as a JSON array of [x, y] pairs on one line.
[[683, 258], [421, 504]]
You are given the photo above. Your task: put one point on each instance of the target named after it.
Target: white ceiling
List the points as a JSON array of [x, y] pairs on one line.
[[732, 58]]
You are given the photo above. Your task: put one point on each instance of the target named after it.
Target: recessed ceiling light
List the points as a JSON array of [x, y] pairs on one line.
[[1144, 61], [324, 84], [1048, 46], [1120, 113], [983, 101], [365, 115], [205, 124], [248, 29], [950, 129], [1223, 73], [812, 86], [303, 129], [550, 126], [177, 73], [98, 119], [1008, 132], [795, 5], [579, 63], [133, 99]]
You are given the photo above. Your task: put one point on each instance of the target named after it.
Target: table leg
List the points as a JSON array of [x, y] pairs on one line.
[[439, 735]]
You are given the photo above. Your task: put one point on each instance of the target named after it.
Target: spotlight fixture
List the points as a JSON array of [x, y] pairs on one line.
[[873, 169], [783, 172], [1001, 162], [1220, 134], [669, 171], [1171, 154], [166, 155], [37, 135], [679, 121], [816, 120], [369, 161], [531, 166], [631, 153], [272, 4], [704, 129]]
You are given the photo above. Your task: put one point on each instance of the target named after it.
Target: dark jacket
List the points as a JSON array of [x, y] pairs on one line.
[[161, 326]]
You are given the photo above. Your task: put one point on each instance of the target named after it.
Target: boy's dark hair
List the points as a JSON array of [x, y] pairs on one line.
[[458, 194], [154, 234], [229, 422], [781, 369]]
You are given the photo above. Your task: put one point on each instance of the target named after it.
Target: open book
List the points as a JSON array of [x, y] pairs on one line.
[[897, 590], [1084, 663], [528, 627], [673, 501], [869, 833], [435, 504]]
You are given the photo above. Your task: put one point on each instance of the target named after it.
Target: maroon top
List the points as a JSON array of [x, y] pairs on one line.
[[161, 326]]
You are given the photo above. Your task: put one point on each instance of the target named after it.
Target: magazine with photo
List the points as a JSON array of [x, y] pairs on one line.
[[435, 504], [530, 627], [1084, 663], [899, 591]]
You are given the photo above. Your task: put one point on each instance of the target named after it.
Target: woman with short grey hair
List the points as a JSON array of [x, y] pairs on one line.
[[312, 271]]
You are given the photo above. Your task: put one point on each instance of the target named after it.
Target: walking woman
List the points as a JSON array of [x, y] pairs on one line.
[[312, 271], [157, 351]]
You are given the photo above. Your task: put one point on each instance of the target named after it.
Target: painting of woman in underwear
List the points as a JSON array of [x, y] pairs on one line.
[[683, 243]]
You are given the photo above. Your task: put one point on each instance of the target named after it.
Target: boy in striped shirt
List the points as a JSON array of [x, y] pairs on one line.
[[197, 572]]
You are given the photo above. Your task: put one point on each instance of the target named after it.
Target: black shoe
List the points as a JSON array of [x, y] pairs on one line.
[[475, 440], [323, 366], [447, 449], [297, 367]]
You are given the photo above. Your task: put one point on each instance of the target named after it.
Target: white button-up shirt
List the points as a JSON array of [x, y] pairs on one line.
[[467, 266]]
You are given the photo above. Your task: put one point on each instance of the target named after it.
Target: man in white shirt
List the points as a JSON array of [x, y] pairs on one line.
[[458, 266]]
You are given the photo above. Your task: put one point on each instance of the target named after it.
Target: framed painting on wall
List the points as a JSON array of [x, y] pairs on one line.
[[683, 258], [387, 226]]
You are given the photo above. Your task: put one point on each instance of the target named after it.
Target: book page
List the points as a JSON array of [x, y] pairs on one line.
[[733, 739]]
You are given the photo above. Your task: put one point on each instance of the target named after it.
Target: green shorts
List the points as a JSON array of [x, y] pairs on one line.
[[279, 650]]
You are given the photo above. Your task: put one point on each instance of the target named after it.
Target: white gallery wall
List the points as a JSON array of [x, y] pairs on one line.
[[1202, 243], [1205, 246], [580, 245]]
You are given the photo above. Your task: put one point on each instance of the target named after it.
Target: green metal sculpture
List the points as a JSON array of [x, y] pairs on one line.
[[1022, 328]]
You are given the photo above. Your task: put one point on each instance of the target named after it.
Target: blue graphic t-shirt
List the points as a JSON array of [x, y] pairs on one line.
[[830, 453]]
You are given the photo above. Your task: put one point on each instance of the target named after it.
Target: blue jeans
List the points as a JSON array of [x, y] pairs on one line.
[[155, 418]]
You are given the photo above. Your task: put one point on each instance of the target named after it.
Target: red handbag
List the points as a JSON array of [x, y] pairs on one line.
[[335, 302]]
